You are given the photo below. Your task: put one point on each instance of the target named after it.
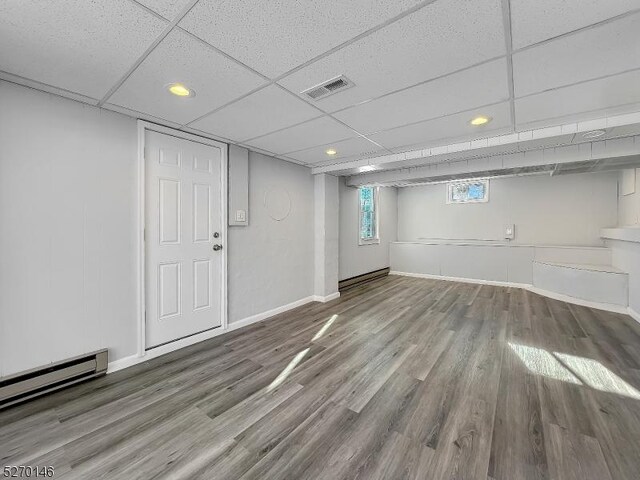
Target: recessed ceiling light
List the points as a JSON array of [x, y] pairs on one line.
[[180, 90], [367, 168], [480, 120], [593, 134], [331, 151]]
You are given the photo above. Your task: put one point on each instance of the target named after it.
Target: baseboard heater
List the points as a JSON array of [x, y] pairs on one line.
[[38, 381], [360, 279]]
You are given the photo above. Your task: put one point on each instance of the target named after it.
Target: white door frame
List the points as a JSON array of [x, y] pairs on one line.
[[143, 127]]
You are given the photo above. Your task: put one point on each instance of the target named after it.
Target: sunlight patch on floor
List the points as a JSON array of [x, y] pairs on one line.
[[287, 370], [541, 362], [573, 369], [597, 376], [324, 328]]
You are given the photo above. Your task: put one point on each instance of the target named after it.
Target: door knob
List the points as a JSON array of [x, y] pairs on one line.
[[217, 247]]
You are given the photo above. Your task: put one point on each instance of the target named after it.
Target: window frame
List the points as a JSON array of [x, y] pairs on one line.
[[448, 191], [376, 214]]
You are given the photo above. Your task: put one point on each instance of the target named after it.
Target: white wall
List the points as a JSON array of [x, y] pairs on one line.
[[358, 259], [629, 203], [67, 218], [270, 261], [68, 200], [562, 210]]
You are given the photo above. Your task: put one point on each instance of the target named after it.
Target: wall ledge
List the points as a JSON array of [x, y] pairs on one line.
[[624, 234]]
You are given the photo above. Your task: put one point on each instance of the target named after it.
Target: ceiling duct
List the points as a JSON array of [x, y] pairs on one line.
[[329, 87]]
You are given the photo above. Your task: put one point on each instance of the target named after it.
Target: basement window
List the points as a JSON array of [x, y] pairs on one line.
[[472, 191], [368, 215]]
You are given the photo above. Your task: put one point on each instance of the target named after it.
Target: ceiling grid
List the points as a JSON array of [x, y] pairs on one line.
[[421, 69]]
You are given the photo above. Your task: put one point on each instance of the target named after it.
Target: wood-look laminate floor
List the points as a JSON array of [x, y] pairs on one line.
[[399, 378]]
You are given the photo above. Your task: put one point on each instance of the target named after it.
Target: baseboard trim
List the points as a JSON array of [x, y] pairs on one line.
[[633, 314], [494, 283], [526, 286], [132, 360], [328, 298]]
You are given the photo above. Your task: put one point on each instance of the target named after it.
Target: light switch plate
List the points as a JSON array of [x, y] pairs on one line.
[[241, 216], [510, 232]]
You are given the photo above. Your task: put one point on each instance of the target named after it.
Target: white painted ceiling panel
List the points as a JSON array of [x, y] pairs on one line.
[[535, 21], [169, 9], [276, 36], [438, 39], [569, 103], [454, 128], [604, 50], [77, 45], [262, 112], [181, 58], [477, 86], [353, 147], [310, 134]]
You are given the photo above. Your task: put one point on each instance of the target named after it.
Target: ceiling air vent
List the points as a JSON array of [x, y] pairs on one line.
[[329, 87]]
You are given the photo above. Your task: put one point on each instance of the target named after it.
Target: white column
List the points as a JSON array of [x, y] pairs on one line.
[[326, 236]]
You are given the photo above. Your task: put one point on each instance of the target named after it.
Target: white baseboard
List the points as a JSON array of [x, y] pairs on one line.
[[610, 307], [200, 337], [494, 283], [556, 296], [633, 314], [269, 313], [123, 363], [328, 298]]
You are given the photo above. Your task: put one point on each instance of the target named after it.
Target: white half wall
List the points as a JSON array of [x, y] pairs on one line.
[[562, 210], [68, 206], [357, 259]]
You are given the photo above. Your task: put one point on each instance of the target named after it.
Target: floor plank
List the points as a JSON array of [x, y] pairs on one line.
[[400, 378]]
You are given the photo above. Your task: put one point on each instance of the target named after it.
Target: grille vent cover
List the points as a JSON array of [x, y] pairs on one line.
[[329, 87]]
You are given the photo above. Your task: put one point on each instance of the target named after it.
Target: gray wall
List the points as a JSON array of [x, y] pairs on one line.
[[270, 261], [562, 210], [68, 201], [357, 259]]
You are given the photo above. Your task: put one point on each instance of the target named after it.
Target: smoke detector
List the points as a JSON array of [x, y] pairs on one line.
[[327, 88]]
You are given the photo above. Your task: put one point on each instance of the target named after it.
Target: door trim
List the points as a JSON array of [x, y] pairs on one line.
[[143, 127]]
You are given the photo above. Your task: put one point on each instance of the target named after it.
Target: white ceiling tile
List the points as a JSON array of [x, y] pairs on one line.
[[310, 134], [569, 103], [181, 58], [78, 45], [441, 130], [265, 111], [274, 37], [460, 91], [351, 148], [535, 21], [436, 40], [169, 9], [603, 50]]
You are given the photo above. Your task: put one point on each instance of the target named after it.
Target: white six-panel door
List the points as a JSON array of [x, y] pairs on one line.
[[183, 225]]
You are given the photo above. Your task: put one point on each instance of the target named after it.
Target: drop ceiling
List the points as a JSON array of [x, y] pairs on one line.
[[421, 69]]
